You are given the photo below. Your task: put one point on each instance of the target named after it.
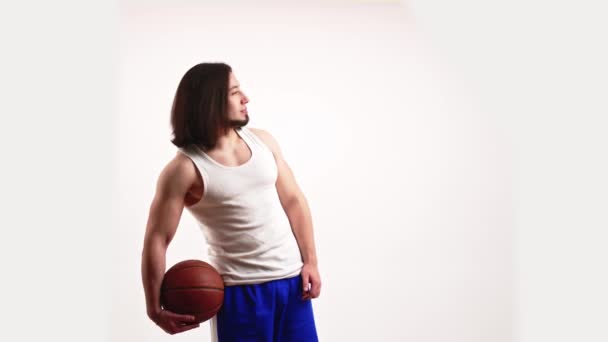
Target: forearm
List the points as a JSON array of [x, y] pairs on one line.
[[300, 220], [153, 271]]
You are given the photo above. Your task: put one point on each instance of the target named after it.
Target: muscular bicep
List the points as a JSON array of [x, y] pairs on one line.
[[168, 203], [163, 218]]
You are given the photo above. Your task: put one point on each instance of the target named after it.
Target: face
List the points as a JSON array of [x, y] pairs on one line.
[[237, 100]]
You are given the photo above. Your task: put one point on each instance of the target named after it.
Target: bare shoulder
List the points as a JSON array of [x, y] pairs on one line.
[[262, 134], [268, 139], [178, 176]]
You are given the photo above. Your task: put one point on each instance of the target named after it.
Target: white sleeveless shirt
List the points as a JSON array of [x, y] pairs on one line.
[[249, 236]]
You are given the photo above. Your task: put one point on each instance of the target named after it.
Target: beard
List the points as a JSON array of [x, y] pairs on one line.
[[238, 123]]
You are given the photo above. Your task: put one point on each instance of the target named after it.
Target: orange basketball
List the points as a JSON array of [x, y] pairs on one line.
[[192, 287]]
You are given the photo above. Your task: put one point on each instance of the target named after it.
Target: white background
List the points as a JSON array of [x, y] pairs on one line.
[[451, 153], [408, 181]]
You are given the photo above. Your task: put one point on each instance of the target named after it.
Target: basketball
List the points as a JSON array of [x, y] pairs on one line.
[[192, 287]]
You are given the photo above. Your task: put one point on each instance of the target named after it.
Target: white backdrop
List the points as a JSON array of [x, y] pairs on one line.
[[540, 66], [408, 178], [478, 136]]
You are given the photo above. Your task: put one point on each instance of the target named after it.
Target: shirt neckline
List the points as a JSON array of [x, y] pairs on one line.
[[239, 132]]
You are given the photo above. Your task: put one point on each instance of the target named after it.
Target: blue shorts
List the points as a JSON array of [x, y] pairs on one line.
[[267, 312]]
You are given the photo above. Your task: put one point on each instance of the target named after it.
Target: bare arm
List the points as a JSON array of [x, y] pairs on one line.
[[296, 208], [165, 212], [298, 213]]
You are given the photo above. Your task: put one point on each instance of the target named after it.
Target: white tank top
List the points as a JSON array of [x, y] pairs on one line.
[[249, 236]]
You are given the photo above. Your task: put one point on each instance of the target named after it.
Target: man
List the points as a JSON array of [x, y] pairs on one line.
[[256, 221]]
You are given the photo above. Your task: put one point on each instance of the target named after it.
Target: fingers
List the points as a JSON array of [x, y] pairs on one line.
[[179, 327], [311, 290], [305, 294], [182, 318], [305, 283], [174, 323], [315, 291], [187, 327], [306, 291], [186, 318]]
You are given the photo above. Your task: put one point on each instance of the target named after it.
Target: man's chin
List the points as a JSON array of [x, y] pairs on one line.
[[239, 123]]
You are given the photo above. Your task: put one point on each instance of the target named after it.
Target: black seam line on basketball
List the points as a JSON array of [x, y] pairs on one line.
[[194, 288]]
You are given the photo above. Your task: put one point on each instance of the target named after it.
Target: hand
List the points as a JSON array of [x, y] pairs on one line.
[[311, 281], [173, 323]]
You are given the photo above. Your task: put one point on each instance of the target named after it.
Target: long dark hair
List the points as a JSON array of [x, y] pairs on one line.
[[199, 111]]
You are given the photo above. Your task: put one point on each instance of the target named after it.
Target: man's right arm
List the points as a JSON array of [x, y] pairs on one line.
[[165, 212]]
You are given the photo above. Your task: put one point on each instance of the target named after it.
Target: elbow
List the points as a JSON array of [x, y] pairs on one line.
[[155, 243], [294, 202]]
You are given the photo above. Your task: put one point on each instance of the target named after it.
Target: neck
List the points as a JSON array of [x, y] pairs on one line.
[[228, 140]]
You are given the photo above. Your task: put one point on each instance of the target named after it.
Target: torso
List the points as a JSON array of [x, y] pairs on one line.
[[231, 159]]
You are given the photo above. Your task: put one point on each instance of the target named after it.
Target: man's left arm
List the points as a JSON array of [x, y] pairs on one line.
[[297, 210]]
